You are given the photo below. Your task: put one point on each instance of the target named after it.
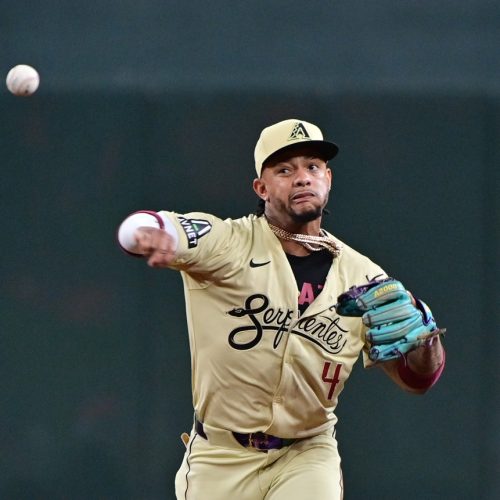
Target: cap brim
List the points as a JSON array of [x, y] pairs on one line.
[[327, 150]]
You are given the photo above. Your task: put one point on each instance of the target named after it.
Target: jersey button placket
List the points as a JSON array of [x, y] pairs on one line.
[[287, 360]]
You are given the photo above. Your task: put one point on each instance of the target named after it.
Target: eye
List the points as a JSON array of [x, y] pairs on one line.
[[283, 170], [313, 166]]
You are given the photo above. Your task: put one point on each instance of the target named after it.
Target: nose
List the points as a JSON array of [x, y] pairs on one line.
[[302, 177]]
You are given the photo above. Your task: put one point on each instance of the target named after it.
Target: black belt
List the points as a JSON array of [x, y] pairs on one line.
[[257, 440]]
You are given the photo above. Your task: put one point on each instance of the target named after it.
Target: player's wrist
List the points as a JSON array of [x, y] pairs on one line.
[[419, 380]]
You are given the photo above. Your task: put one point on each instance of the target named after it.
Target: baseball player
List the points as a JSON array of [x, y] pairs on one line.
[[278, 311]]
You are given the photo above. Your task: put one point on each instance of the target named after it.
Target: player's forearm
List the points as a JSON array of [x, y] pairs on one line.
[[426, 359], [421, 368]]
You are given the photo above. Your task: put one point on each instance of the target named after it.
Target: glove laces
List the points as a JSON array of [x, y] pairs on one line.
[[311, 243]]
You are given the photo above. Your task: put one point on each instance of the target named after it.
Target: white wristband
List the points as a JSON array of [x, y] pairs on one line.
[[143, 218]]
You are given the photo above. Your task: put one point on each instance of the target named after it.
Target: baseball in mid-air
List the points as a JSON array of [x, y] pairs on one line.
[[22, 80]]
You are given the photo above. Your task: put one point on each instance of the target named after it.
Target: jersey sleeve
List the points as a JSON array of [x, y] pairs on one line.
[[206, 244], [375, 272]]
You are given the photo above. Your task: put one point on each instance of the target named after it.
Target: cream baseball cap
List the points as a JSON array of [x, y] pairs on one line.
[[289, 133]]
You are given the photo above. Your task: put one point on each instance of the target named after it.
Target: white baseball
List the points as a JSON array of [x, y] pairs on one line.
[[22, 80]]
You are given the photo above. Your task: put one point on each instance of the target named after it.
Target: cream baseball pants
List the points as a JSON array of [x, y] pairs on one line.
[[221, 469]]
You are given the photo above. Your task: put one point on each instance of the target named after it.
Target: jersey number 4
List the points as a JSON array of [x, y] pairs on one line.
[[334, 379]]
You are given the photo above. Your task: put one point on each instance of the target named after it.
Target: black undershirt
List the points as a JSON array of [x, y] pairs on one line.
[[310, 272]]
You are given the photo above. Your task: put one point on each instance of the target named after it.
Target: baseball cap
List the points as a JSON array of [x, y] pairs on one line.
[[289, 133]]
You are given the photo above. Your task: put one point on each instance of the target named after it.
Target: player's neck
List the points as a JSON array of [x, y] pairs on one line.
[[286, 230], [311, 228]]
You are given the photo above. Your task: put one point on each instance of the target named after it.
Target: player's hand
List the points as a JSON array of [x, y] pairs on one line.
[[397, 322], [156, 245]]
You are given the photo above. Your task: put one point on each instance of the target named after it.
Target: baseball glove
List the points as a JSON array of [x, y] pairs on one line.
[[397, 323]]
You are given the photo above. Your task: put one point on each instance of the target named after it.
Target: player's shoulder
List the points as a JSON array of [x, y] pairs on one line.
[[248, 222], [348, 252], [249, 230], [244, 221], [354, 259], [235, 229]]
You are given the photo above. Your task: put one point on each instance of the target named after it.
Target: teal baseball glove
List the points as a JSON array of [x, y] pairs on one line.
[[397, 323]]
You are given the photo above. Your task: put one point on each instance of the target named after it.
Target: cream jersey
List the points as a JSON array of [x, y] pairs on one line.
[[256, 364]]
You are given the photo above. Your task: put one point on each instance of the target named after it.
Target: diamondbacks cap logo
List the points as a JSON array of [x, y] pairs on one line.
[[194, 229], [299, 133]]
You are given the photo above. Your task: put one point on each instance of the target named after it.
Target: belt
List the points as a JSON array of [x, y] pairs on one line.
[[258, 440]]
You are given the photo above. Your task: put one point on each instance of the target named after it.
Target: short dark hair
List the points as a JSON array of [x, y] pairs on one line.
[[261, 208]]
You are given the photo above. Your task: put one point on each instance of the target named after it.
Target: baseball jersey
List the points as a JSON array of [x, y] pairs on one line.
[[257, 364]]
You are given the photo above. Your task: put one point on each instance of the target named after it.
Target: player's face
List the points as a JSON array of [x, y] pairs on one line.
[[295, 187]]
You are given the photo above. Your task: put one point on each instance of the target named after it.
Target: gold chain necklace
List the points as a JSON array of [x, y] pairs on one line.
[[312, 243]]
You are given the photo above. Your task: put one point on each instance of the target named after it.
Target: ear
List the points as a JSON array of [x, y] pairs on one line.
[[259, 186], [329, 174]]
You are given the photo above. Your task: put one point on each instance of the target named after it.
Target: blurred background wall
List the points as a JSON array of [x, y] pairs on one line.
[[158, 104]]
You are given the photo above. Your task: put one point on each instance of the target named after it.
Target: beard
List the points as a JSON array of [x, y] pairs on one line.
[[306, 216]]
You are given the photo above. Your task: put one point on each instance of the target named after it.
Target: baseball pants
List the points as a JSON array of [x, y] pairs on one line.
[[221, 469]]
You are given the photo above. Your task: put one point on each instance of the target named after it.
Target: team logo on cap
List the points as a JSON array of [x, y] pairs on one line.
[[299, 133]]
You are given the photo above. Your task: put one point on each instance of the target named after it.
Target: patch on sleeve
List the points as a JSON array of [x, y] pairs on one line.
[[194, 229]]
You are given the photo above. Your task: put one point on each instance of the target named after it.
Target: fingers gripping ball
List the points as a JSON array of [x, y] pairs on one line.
[[396, 324]]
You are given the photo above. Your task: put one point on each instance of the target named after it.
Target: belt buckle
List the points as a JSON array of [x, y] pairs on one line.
[[259, 441]]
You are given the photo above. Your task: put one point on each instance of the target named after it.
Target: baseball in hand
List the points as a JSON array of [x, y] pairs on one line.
[[22, 80]]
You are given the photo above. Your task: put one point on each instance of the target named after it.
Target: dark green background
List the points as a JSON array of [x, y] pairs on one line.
[[158, 104]]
